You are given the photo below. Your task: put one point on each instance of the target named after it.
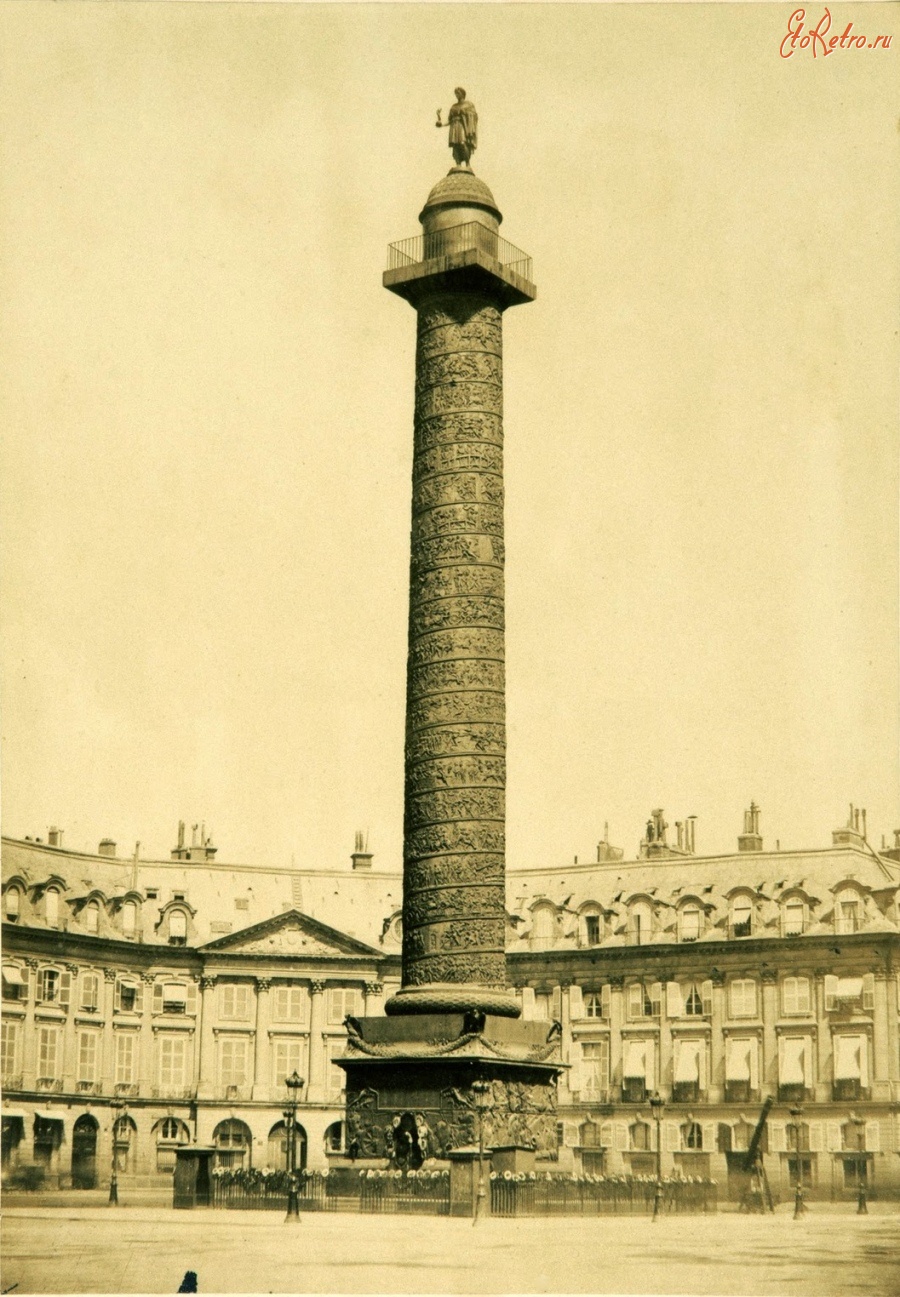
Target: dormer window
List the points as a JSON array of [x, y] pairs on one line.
[[543, 923], [51, 908], [741, 916], [689, 923], [92, 917], [592, 929], [177, 928], [794, 918], [13, 901], [849, 913], [129, 918], [640, 923]]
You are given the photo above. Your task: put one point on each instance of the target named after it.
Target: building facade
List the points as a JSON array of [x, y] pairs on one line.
[[152, 1003]]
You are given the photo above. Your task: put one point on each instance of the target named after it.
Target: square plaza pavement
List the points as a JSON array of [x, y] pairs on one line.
[[831, 1251]]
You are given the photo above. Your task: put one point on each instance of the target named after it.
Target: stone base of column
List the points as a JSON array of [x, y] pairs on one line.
[[409, 1085], [453, 997]]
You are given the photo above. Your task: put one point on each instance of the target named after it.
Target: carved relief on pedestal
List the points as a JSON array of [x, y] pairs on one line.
[[452, 805], [482, 737]]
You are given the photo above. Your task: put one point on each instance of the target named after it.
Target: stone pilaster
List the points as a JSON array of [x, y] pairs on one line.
[[315, 1089], [768, 1064], [29, 1030], [374, 998], [717, 1040], [70, 1039], [148, 1072], [206, 1086], [108, 1060], [261, 1081], [880, 1039]]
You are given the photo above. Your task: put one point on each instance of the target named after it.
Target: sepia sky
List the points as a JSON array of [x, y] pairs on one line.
[[207, 416]]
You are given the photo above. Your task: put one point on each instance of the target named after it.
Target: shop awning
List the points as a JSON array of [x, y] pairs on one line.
[[12, 976], [13, 1114], [174, 993], [849, 988]]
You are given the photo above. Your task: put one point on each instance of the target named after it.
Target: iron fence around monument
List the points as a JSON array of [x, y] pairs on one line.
[[340, 1189], [557, 1195], [427, 1193]]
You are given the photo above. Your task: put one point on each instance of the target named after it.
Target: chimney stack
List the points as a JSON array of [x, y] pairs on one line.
[[361, 856], [54, 836], [107, 847], [750, 839]]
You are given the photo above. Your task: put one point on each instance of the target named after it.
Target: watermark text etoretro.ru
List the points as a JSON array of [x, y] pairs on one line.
[[800, 36]]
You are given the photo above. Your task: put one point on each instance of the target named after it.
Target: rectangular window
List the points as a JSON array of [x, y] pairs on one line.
[[690, 924], [49, 1061], [15, 982], [795, 996], [336, 1075], [596, 1003], [592, 929], [794, 1067], [594, 1069], [689, 1070], [88, 1055], [9, 1048], [233, 1060], [90, 992], [644, 999], [53, 987], [236, 1003], [742, 998], [126, 1057], [173, 1060], [129, 995], [288, 1059], [289, 1003], [741, 1068], [341, 1001]]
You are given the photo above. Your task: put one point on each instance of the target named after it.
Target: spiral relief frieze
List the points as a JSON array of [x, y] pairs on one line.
[[454, 915]]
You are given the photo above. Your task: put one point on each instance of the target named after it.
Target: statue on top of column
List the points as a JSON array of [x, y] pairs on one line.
[[462, 120]]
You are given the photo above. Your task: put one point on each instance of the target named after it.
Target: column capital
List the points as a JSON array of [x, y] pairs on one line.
[[148, 978], [317, 986], [618, 981], [109, 974], [769, 976], [373, 988], [263, 983], [74, 969], [717, 977], [208, 981], [33, 963]]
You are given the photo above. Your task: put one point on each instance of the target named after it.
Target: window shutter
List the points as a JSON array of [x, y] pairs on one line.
[[605, 997], [833, 1139], [868, 995], [570, 1133], [335, 1005], [576, 1002], [703, 1067], [606, 1134], [621, 1136], [706, 996], [777, 1137], [831, 990], [754, 1064], [873, 1136], [864, 1062], [556, 1003], [710, 1129], [158, 997], [671, 1136], [528, 1002], [24, 972], [816, 1137], [656, 992], [65, 986], [674, 1000], [192, 998]]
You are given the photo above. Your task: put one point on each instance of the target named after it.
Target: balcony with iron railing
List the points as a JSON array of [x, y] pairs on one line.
[[470, 237]]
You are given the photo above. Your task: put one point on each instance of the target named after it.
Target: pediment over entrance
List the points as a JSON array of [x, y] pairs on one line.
[[291, 934]]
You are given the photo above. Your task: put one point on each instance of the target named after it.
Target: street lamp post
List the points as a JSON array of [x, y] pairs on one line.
[[794, 1140], [116, 1107], [481, 1091], [294, 1085], [657, 1103]]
